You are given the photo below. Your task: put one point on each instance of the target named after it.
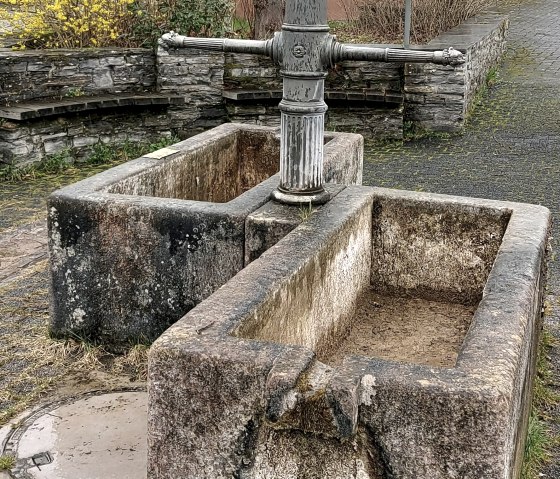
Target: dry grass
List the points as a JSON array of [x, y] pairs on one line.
[[33, 365], [383, 20]]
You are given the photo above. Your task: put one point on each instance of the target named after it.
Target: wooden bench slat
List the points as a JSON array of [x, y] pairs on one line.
[[31, 110], [333, 95]]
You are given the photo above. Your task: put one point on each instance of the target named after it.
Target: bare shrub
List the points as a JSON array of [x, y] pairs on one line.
[[383, 20], [247, 10]]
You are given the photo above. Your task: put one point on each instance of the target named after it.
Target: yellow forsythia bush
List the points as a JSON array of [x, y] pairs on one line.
[[71, 23]]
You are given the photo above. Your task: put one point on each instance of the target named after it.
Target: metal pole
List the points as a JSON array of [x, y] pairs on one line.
[[407, 22], [304, 33]]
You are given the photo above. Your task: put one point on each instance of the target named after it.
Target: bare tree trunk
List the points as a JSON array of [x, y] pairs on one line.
[[268, 17]]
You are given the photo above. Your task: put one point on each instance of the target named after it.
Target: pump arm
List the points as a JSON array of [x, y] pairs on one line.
[[258, 47], [345, 51]]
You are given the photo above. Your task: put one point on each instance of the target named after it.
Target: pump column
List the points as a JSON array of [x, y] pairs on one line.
[[305, 34]]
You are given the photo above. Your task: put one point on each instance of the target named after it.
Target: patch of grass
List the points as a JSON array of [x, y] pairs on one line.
[[413, 132], [56, 163], [15, 173], [82, 353], [133, 363], [539, 438], [162, 143], [480, 98], [32, 364], [305, 212], [100, 154], [544, 396], [492, 76], [536, 448], [7, 462]]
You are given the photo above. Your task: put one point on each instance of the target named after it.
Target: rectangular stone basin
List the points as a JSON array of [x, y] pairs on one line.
[[136, 247], [218, 171], [275, 375]]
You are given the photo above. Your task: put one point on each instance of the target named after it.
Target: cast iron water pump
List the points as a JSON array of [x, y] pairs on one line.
[[304, 50]]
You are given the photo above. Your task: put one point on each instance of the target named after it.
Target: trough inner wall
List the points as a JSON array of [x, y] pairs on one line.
[[215, 173], [415, 250], [315, 306]]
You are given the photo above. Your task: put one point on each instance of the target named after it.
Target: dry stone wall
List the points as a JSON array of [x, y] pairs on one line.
[[32, 141], [41, 74], [373, 99], [198, 76]]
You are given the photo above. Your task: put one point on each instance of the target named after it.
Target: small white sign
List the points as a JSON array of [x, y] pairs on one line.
[[159, 154]]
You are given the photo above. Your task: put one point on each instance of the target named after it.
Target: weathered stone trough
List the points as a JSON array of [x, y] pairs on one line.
[[390, 334], [136, 247]]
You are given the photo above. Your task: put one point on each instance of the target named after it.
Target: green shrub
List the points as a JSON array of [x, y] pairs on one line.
[[203, 18]]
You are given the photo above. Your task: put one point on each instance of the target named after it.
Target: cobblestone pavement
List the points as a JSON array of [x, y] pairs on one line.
[[510, 149]]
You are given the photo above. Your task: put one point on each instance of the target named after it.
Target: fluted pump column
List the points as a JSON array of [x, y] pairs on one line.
[[304, 34]]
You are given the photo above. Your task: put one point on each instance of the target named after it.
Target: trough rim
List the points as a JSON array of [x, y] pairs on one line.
[[94, 190], [490, 380]]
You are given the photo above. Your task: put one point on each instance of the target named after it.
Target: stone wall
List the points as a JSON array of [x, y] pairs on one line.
[[36, 77], [199, 77], [250, 72], [40, 74], [438, 98], [31, 141], [374, 99], [204, 77]]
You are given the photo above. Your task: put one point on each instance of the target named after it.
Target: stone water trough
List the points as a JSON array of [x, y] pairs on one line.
[[384, 334], [389, 334], [136, 247]]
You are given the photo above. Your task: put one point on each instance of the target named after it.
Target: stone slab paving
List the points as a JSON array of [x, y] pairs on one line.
[[509, 151], [22, 248]]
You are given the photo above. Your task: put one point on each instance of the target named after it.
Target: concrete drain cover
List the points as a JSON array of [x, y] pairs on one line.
[[95, 436]]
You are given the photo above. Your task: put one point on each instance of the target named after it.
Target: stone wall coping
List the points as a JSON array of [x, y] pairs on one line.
[[469, 32], [44, 108], [73, 52]]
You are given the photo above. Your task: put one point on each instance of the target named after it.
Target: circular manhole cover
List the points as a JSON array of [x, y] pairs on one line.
[[95, 436]]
